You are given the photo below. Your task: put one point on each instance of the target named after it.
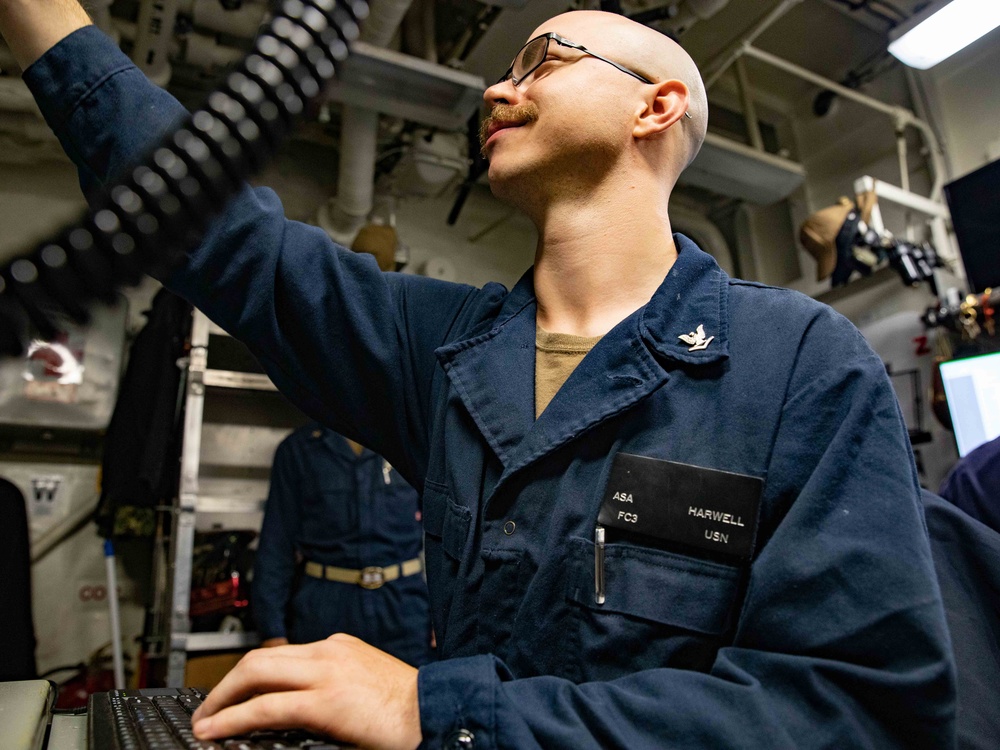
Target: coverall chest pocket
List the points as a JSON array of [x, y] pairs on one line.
[[661, 609], [446, 524]]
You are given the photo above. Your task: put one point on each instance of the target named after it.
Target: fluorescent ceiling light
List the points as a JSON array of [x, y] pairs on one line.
[[941, 30]]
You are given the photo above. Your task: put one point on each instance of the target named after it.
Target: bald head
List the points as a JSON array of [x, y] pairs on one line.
[[647, 52]]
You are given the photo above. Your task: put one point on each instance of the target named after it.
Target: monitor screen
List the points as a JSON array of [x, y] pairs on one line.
[[973, 202], [972, 386]]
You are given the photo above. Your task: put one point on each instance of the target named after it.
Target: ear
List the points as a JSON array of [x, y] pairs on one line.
[[664, 104]]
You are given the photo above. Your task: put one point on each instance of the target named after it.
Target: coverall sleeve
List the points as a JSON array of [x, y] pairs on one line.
[[351, 346], [973, 484], [840, 640], [274, 564]]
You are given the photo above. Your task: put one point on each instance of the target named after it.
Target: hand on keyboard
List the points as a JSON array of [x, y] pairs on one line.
[[160, 719], [340, 687]]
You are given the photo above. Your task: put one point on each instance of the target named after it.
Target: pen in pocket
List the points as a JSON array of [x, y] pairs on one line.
[[599, 564]]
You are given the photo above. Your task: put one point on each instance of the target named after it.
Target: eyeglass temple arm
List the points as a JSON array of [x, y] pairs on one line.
[[573, 45]]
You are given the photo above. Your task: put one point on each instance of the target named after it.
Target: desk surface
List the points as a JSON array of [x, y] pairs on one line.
[[68, 733]]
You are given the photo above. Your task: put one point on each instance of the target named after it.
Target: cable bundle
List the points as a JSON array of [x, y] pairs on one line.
[[159, 212]]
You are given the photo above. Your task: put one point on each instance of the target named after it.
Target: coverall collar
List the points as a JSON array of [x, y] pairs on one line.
[[494, 373]]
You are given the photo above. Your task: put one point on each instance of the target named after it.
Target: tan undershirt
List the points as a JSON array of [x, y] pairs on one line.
[[556, 356]]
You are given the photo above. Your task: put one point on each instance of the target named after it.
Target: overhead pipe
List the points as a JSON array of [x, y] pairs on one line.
[[901, 116], [341, 217], [718, 65], [345, 214], [924, 115], [749, 108]]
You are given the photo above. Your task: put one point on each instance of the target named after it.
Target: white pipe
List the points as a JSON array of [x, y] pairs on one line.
[[347, 213], [934, 151], [900, 115], [940, 157], [904, 167], [116, 626], [749, 110], [360, 128], [894, 194], [718, 64], [154, 35], [344, 215]]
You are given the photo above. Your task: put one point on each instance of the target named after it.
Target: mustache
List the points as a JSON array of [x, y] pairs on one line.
[[501, 113]]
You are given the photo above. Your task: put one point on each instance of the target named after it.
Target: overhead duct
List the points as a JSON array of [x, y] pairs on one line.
[[729, 168], [405, 86]]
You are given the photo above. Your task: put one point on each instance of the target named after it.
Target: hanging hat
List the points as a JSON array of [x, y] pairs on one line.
[[819, 234]]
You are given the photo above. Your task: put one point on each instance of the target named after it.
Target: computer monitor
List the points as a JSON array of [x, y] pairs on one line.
[[973, 201], [972, 386]]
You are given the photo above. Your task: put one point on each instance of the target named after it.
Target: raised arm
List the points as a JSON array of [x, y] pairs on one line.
[[323, 321], [32, 27]]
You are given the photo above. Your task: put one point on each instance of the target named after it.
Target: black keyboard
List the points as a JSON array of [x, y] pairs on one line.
[[160, 719]]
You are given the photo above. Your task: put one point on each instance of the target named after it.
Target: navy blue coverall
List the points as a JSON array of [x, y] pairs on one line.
[[334, 507], [973, 484], [831, 634]]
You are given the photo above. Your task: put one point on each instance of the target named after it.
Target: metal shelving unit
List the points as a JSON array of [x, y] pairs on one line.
[[233, 421]]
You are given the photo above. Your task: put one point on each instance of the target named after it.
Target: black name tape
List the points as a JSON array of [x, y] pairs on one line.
[[704, 508]]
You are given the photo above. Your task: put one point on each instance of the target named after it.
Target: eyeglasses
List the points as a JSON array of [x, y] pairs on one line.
[[535, 51]]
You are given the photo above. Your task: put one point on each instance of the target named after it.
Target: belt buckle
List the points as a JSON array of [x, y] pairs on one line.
[[372, 578]]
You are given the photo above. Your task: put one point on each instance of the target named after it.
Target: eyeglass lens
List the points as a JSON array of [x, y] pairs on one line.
[[530, 57]]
